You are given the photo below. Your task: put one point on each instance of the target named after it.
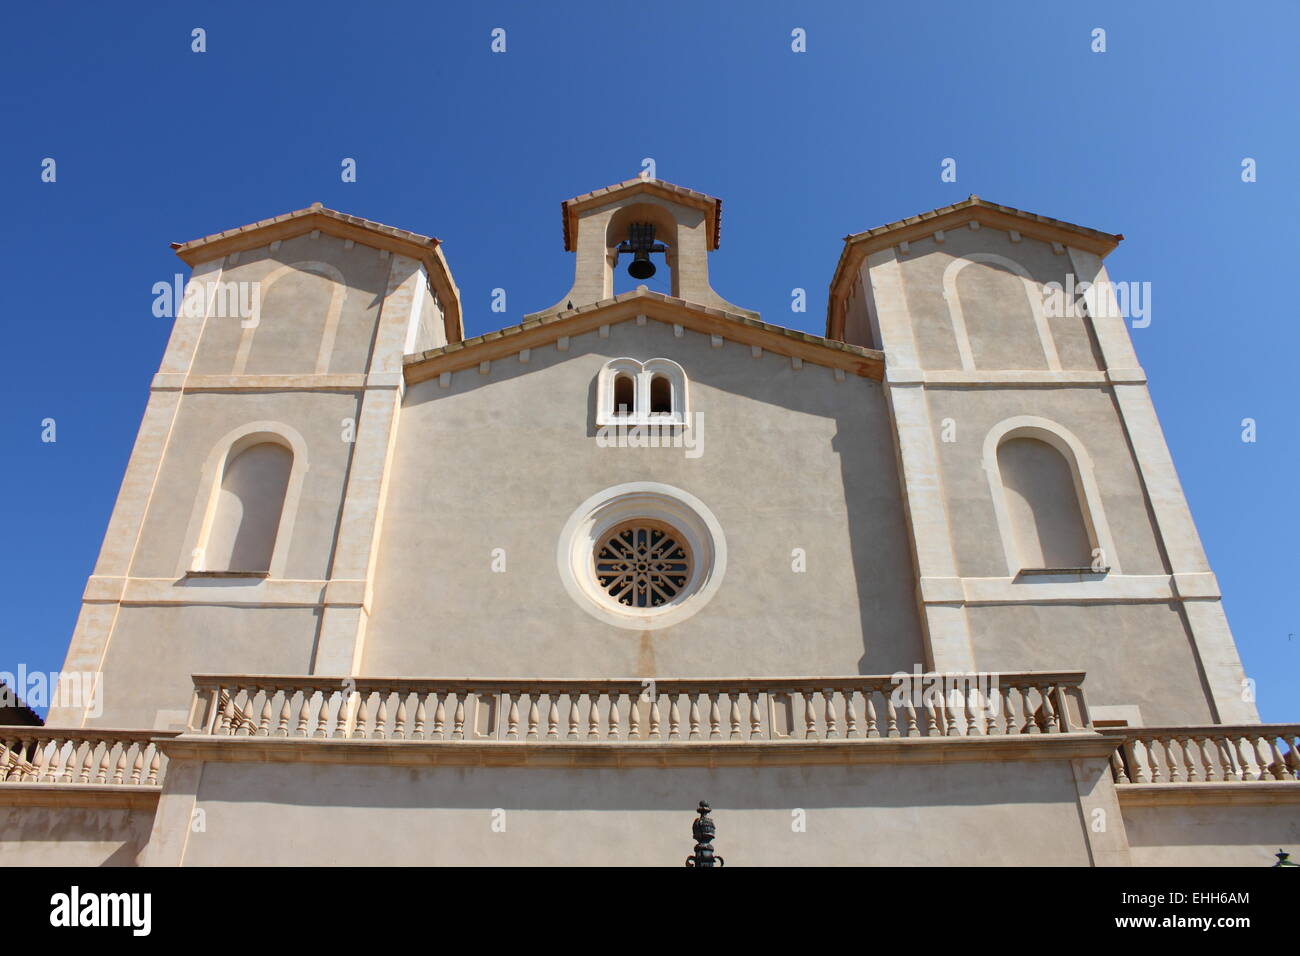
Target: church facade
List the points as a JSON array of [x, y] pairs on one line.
[[922, 590]]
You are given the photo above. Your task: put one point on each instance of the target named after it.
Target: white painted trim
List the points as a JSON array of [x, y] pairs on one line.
[[1085, 484], [652, 501], [209, 488], [958, 318], [642, 374]]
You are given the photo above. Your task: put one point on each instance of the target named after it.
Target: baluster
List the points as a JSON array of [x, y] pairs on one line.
[[264, 719], [951, 702], [70, 766], [244, 713], [1117, 766], [1292, 756], [1203, 748], [850, 714], [974, 707], [553, 716], [832, 727], [323, 718], [1141, 772], [593, 715], [155, 764], [512, 717], [1174, 758], [733, 717], [380, 729], [654, 717], [102, 775], [634, 715], [1271, 759], [809, 715], [695, 716], [41, 760], [1244, 750], [1049, 712], [869, 705], [399, 722], [421, 715], [286, 711], [534, 715], [137, 766], [1153, 748], [119, 769], [715, 718], [344, 713], [992, 705], [891, 716], [931, 706], [304, 713], [1231, 767], [227, 714], [755, 714], [360, 727], [1011, 723], [1061, 701], [674, 717], [458, 727], [1187, 744], [440, 716], [615, 727], [88, 765], [1033, 715], [573, 715]]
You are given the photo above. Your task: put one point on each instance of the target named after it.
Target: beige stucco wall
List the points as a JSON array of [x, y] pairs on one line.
[[1212, 834], [993, 301], [791, 459], [71, 835], [316, 814], [287, 338]]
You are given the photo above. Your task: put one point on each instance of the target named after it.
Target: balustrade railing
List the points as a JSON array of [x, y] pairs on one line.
[[107, 757], [638, 710], [1213, 753]]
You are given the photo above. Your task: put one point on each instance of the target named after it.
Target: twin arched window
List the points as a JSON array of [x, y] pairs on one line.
[[641, 393]]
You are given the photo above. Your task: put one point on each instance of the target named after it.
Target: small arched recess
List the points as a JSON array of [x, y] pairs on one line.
[[1046, 499], [248, 501]]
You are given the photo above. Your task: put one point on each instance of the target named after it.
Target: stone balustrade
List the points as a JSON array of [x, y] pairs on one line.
[[739, 709], [80, 756], [1214, 753]]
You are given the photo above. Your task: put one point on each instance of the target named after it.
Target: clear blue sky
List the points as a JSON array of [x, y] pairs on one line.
[[155, 144]]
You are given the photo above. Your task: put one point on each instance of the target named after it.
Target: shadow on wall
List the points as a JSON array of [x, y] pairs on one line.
[[862, 444]]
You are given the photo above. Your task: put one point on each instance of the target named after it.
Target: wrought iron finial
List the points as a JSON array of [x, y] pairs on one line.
[[1284, 859], [704, 830]]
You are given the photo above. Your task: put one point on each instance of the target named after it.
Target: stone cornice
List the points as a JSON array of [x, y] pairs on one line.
[[86, 795], [742, 753], [1242, 793]]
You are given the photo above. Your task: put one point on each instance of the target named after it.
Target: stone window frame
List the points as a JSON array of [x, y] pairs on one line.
[[652, 503], [643, 374]]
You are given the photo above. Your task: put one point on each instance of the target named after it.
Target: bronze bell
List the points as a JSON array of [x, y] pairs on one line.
[[641, 267], [640, 242]]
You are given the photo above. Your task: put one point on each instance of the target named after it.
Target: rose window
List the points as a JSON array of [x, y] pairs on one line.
[[643, 565]]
